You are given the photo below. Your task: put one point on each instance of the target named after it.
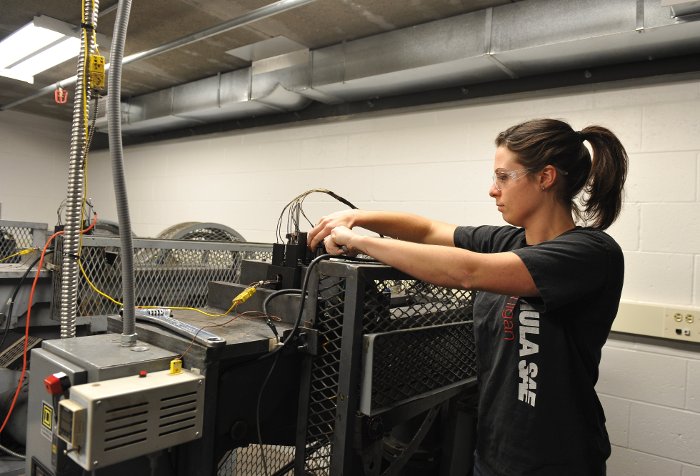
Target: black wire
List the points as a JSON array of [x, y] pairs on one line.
[[271, 296], [11, 305], [297, 323], [276, 351], [342, 200], [297, 202], [91, 132]]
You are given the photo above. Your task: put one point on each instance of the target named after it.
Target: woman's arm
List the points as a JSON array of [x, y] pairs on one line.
[[503, 273], [404, 226]]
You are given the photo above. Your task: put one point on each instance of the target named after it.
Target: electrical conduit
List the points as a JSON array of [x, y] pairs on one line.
[[76, 168], [116, 56]]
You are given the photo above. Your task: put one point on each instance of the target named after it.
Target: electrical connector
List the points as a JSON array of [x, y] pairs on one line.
[[175, 366], [244, 295], [96, 68]]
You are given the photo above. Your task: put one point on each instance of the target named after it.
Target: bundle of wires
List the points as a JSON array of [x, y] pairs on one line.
[[295, 210]]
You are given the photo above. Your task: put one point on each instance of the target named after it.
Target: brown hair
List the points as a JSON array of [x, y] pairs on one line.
[[542, 142]]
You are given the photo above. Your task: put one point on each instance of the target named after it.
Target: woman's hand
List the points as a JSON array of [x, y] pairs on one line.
[[339, 242], [323, 228]]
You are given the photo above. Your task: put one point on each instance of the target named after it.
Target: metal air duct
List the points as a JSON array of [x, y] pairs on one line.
[[515, 40]]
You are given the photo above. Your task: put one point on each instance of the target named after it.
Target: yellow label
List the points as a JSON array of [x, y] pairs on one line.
[[47, 416], [97, 71]]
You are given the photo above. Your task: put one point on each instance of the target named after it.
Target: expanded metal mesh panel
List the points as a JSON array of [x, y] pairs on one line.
[[248, 461], [407, 364], [441, 354], [166, 272], [208, 234], [324, 375], [16, 236]]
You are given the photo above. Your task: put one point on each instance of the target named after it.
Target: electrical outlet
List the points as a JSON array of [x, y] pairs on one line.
[[682, 324]]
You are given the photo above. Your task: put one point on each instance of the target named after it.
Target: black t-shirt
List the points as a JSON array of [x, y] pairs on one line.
[[538, 357]]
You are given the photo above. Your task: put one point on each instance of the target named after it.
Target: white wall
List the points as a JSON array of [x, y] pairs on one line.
[[34, 155], [651, 395], [435, 162], [438, 162]]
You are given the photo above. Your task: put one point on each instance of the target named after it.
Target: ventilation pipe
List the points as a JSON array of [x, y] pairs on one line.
[[511, 41]]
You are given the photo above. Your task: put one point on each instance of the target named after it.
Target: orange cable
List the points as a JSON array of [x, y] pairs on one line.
[[26, 327]]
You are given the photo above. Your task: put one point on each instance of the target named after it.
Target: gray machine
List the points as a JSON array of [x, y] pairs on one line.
[[118, 403]]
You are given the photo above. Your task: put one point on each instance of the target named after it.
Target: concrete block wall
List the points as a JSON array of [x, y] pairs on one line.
[[651, 395], [34, 154], [438, 162]]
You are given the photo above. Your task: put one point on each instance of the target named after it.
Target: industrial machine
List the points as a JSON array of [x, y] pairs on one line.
[[370, 373]]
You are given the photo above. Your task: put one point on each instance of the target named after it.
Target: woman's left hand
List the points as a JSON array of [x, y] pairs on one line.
[[339, 242]]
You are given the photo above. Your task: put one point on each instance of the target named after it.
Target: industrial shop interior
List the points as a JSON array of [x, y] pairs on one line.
[[350, 237]]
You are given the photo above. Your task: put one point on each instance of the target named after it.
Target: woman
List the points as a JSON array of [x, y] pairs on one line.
[[548, 292]]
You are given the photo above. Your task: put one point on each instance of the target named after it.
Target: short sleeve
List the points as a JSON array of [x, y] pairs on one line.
[[489, 239], [573, 265]]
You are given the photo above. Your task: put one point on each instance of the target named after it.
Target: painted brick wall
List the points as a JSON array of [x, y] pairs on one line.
[[438, 162], [651, 395], [33, 166]]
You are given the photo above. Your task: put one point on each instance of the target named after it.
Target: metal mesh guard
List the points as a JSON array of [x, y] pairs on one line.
[[408, 363], [166, 272], [16, 236], [403, 365]]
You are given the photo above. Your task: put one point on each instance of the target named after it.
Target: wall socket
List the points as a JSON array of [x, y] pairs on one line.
[[682, 324], [669, 322]]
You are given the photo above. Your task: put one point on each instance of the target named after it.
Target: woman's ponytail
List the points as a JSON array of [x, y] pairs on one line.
[[603, 191]]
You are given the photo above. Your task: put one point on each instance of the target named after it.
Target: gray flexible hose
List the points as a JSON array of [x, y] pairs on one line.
[[74, 210], [114, 128]]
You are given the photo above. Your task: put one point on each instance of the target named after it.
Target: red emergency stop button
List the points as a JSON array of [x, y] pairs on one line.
[[142, 373], [57, 383]]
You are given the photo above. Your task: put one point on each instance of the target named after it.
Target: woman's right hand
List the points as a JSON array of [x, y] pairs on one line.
[[326, 224]]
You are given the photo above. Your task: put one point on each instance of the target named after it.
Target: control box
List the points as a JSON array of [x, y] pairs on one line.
[[120, 419]]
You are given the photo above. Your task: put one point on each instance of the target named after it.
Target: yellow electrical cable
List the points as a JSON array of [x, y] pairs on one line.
[[234, 304], [22, 252], [93, 287]]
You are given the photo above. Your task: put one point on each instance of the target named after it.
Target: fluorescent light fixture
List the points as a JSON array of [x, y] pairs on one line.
[[36, 47]]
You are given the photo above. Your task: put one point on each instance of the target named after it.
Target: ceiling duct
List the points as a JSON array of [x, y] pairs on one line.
[[267, 87], [686, 10], [515, 40]]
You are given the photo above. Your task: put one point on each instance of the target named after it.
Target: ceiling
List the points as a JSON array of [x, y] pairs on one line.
[[356, 50], [157, 22]]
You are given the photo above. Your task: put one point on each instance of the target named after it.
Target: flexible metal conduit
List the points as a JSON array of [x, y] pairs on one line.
[[114, 128], [74, 197], [258, 14]]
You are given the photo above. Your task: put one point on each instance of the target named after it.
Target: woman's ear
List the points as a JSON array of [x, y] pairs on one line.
[[547, 177]]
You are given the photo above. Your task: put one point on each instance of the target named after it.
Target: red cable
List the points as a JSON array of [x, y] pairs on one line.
[[29, 313]]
